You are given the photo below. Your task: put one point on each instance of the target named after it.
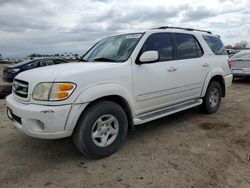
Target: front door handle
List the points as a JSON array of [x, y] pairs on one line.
[[172, 69], [205, 65]]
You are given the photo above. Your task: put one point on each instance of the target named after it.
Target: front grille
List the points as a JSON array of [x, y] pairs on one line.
[[20, 88]]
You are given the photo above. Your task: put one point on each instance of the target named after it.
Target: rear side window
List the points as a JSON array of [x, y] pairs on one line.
[[187, 46], [162, 43], [215, 45]]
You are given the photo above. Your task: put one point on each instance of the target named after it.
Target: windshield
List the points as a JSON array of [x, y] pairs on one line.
[[242, 54], [23, 62], [113, 49]]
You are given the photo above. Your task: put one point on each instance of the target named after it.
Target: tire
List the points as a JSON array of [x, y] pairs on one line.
[[212, 99], [101, 130]]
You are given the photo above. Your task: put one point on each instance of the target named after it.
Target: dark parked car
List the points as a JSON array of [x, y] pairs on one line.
[[4, 62], [10, 72]]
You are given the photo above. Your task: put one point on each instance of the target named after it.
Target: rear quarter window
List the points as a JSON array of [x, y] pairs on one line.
[[215, 44]]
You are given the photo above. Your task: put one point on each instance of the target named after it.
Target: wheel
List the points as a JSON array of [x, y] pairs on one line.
[[212, 99], [101, 130]]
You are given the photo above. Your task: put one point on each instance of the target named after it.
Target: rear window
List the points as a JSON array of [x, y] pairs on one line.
[[215, 45], [242, 54]]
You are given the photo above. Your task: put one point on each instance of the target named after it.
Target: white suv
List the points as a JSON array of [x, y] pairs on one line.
[[125, 80]]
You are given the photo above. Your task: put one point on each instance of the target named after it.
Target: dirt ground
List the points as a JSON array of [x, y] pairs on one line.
[[187, 149]]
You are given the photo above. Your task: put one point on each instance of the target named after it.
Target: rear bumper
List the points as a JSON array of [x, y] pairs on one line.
[[244, 72], [228, 80]]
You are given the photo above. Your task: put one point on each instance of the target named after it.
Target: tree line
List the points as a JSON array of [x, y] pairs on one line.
[[65, 55], [238, 45]]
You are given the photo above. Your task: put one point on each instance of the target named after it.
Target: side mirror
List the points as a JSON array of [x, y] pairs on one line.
[[149, 57]]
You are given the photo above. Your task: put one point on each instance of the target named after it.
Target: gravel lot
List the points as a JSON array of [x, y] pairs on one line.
[[187, 149]]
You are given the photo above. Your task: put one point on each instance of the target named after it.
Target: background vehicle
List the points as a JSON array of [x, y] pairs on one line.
[[4, 62], [241, 63], [126, 80], [231, 52], [9, 72]]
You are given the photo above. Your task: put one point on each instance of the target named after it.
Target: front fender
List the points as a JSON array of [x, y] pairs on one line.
[[210, 75], [103, 90]]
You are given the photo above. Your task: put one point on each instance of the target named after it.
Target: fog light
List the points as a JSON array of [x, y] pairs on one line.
[[41, 125]]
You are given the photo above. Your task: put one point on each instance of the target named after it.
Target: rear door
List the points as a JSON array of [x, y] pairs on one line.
[[190, 67]]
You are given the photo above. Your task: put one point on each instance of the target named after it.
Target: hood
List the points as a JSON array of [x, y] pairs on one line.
[[51, 73]]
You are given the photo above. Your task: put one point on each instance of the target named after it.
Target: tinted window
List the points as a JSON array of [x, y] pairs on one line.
[[186, 46], [198, 48], [59, 61], [215, 45], [33, 64], [162, 43], [46, 62]]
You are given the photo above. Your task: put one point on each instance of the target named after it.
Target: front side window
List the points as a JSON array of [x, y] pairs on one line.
[[215, 44], [46, 62], [187, 46], [113, 49], [33, 64], [162, 43]]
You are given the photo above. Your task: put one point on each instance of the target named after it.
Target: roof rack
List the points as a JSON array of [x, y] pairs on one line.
[[187, 29]]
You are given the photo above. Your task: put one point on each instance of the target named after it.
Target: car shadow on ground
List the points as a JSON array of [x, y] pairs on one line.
[[5, 90], [243, 80]]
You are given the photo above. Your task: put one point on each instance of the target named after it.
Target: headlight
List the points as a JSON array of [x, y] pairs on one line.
[[53, 91], [41, 91], [14, 70]]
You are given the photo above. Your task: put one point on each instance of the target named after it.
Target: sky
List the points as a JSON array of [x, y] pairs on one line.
[[58, 26]]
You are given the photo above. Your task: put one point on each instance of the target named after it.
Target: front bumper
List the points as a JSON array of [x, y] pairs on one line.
[[7, 79], [47, 122]]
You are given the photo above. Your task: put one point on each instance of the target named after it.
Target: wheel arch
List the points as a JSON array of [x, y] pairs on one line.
[[216, 75], [111, 92], [118, 100], [221, 81]]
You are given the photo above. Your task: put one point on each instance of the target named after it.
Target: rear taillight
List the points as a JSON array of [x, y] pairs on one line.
[[229, 61]]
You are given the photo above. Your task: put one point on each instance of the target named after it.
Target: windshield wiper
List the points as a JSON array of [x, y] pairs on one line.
[[104, 59]]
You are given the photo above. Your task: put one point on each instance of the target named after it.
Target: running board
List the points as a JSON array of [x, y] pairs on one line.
[[150, 116]]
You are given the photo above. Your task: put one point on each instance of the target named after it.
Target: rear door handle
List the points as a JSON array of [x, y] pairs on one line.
[[205, 65], [172, 69]]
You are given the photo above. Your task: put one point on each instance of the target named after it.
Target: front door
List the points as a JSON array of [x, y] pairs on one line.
[[150, 84]]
